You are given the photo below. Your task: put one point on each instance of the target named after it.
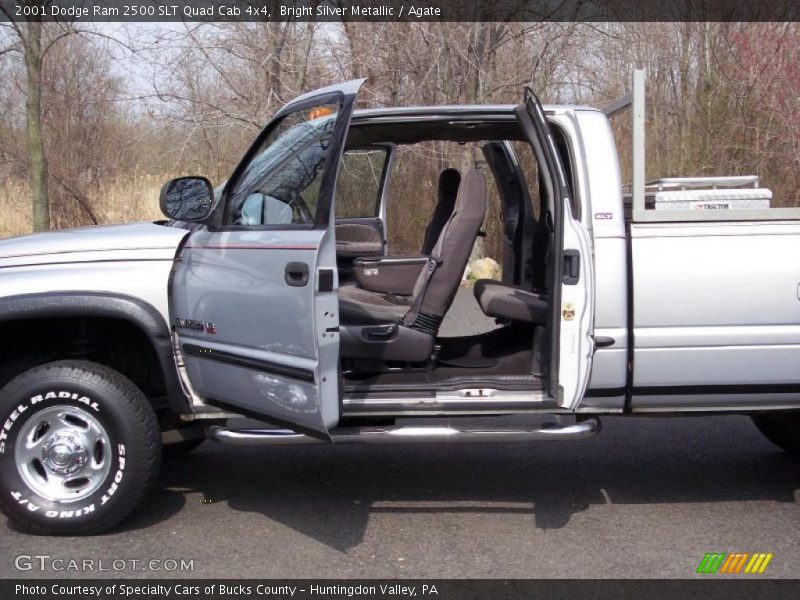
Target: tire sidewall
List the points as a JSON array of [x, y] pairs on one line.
[[21, 401]]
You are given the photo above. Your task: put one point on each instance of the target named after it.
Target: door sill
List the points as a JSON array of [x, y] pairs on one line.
[[473, 401], [511, 383]]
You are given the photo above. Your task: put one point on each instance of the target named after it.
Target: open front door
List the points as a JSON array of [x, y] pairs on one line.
[[570, 270], [253, 299]]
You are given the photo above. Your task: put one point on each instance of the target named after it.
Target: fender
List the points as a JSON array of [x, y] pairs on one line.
[[99, 304]]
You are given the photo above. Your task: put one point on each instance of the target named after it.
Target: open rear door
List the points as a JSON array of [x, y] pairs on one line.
[[570, 269], [519, 224], [253, 298]]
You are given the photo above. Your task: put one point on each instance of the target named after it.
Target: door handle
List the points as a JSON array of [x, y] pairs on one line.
[[571, 273], [602, 341], [296, 274]]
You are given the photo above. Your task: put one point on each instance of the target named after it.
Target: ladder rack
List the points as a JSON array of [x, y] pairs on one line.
[[638, 190]]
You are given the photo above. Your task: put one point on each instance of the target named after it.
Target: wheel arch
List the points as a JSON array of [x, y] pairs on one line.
[[137, 313]]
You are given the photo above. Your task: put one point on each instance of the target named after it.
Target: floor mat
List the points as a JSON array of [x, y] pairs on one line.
[[502, 352]]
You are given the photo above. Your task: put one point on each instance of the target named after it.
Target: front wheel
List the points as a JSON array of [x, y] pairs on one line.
[[783, 430], [79, 448]]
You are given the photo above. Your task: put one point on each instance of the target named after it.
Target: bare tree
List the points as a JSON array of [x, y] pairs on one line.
[[27, 39], [35, 41], [721, 98]]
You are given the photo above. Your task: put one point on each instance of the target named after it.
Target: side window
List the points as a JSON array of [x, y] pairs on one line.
[[359, 184], [281, 183]]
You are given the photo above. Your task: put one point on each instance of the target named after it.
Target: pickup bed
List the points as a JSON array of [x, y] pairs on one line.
[[262, 314]]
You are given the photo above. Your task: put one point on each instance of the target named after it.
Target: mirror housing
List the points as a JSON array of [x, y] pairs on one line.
[[187, 198]]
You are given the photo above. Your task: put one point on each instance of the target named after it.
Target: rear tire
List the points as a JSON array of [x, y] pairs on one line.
[[80, 448], [782, 430]]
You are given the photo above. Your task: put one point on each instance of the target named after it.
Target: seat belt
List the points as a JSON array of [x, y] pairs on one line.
[[424, 324]]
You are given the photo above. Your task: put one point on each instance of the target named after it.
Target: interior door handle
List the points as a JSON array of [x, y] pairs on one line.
[[296, 274]]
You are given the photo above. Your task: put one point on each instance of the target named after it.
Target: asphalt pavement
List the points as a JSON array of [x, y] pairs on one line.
[[647, 497]]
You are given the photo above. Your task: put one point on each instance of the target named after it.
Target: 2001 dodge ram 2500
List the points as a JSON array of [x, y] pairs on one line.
[[267, 300]]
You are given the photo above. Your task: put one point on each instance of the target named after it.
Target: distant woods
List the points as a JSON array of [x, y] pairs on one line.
[[92, 120]]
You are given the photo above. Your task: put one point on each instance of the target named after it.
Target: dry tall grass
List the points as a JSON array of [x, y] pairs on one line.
[[121, 200]]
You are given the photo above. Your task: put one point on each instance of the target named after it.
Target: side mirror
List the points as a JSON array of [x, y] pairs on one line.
[[187, 198]]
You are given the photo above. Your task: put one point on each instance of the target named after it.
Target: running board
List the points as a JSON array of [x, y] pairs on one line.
[[473, 402], [403, 434]]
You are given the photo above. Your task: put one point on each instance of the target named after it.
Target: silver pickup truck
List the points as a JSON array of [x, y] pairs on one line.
[[259, 315]]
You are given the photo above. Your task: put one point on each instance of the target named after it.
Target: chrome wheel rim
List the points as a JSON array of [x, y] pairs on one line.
[[63, 453]]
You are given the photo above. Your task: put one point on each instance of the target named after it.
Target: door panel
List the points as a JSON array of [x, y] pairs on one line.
[[257, 347], [576, 345], [359, 237], [253, 298], [570, 272], [715, 318]]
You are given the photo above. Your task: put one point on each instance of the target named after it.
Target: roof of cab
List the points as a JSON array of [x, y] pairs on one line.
[[456, 123], [460, 110]]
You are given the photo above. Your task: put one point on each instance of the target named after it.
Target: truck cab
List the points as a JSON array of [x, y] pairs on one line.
[[272, 323]]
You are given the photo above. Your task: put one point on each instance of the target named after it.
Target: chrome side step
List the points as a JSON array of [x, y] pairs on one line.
[[402, 434]]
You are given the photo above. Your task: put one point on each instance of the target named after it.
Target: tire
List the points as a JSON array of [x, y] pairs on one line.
[[79, 448], [782, 430]]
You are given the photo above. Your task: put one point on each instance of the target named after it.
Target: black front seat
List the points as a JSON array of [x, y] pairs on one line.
[[379, 325]]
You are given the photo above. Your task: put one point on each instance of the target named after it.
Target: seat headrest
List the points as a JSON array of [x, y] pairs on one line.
[[449, 180]]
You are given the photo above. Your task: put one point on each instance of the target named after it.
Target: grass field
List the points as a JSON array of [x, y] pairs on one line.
[[115, 201]]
